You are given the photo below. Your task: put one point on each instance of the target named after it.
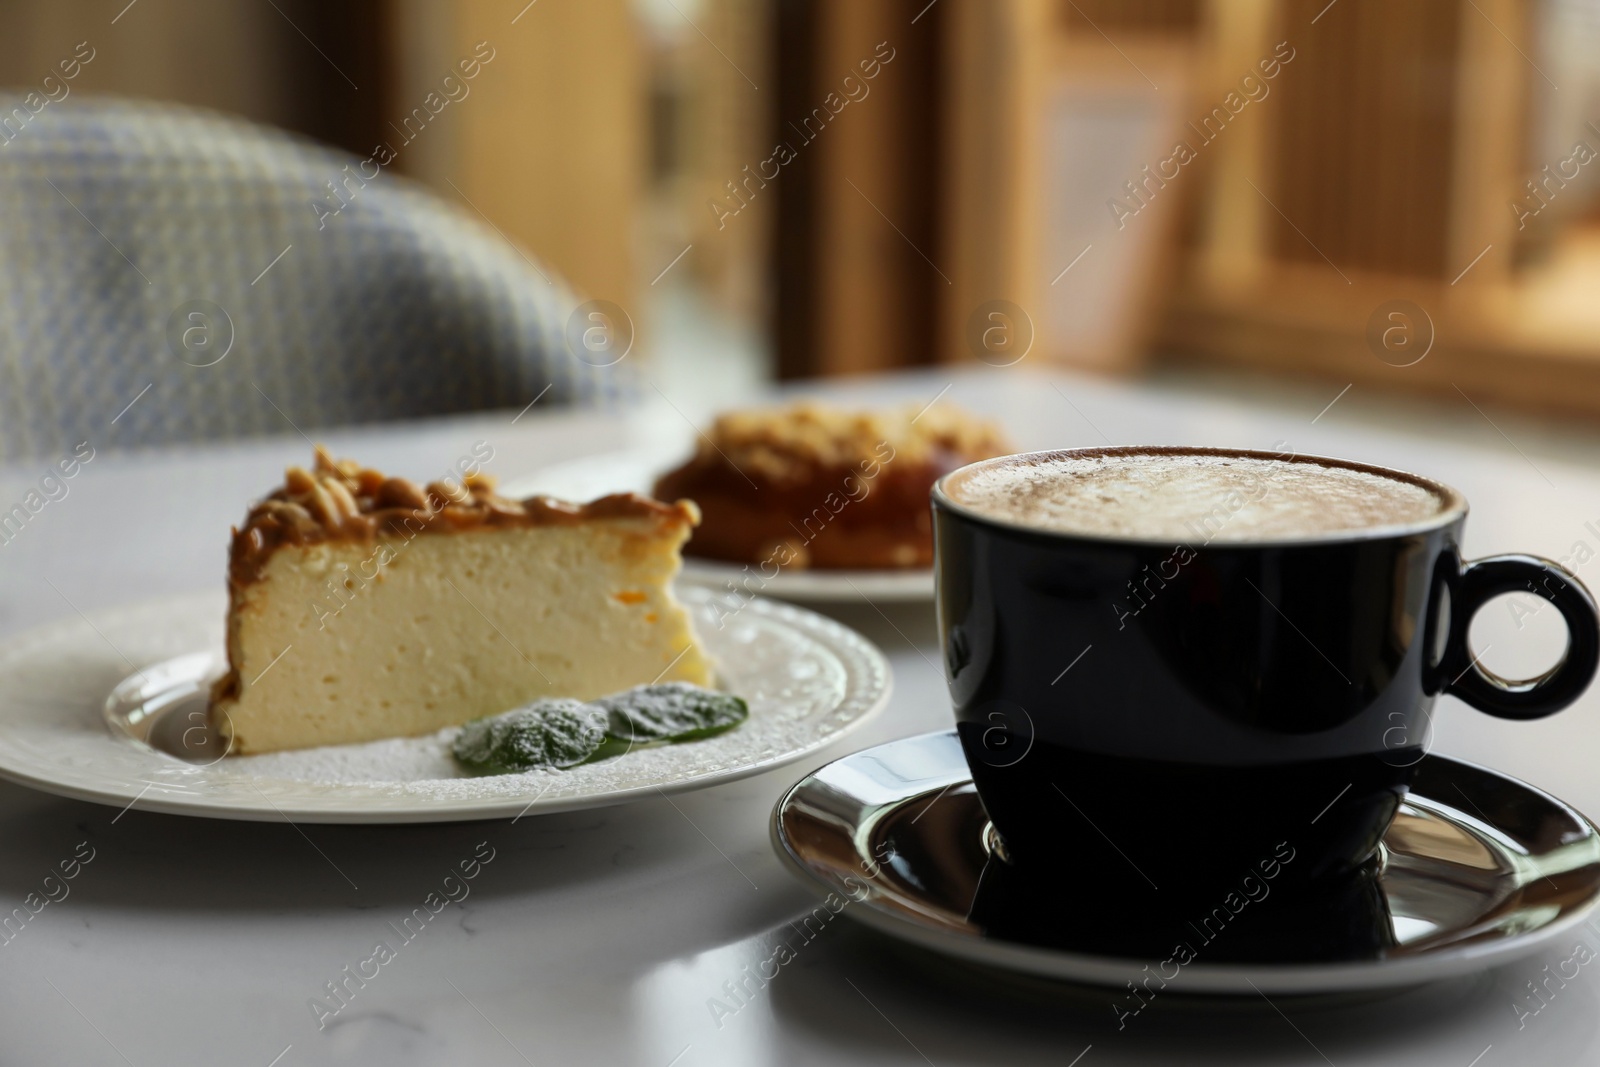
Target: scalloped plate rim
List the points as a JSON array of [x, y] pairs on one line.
[[871, 687]]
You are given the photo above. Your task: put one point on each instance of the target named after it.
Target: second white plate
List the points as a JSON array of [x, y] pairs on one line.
[[636, 471]]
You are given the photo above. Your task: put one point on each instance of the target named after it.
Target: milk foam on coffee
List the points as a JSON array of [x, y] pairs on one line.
[[1189, 496]]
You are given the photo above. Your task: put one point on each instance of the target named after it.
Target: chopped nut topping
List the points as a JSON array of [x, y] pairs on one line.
[[789, 442], [341, 500], [400, 493]]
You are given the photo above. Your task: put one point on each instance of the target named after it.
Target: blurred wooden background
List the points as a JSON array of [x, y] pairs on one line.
[[1382, 165]]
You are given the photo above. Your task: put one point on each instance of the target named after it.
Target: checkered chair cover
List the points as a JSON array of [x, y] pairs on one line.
[[165, 277]]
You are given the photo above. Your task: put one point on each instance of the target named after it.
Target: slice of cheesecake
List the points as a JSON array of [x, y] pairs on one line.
[[364, 607]]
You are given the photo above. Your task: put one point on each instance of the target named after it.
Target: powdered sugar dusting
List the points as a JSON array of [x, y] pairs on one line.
[[397, 759]]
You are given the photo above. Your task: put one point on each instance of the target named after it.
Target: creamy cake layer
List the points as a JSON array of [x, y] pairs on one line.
[[352, 640]]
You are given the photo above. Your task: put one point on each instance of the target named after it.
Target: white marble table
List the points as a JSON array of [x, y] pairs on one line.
[[603, 937]]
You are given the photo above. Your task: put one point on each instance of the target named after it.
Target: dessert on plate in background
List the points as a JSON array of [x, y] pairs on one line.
[[807, 486]]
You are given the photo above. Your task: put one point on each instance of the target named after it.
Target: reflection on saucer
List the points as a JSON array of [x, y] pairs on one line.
[[1345, 918]]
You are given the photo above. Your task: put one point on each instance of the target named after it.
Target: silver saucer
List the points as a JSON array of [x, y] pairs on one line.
[[1477, 869]]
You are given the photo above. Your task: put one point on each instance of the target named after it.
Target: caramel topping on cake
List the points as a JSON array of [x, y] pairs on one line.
[[339, 500], [790, 443]]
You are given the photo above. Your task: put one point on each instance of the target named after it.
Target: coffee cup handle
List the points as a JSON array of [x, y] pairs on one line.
[[1481, 581]]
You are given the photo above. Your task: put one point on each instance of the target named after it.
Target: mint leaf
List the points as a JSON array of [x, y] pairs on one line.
[[674, 711], [565, 733], [545, 733]]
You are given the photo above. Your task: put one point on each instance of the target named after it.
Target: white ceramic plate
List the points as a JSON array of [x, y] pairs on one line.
[[808, 680], [636, 471]]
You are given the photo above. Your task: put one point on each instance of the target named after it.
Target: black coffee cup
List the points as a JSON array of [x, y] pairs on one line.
[[1186, 714]]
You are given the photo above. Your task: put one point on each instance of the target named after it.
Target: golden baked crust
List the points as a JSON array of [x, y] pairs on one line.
[[812, 486], [339, 500]]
